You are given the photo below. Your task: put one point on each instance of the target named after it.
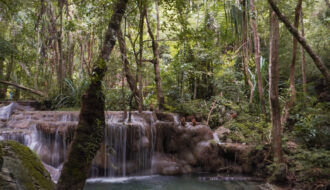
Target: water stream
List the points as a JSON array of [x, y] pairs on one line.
[[131, 154]]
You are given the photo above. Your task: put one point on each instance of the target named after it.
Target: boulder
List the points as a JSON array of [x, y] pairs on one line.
[[22, 169]]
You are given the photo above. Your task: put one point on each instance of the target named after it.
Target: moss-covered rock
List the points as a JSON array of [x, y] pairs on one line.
[[22, 169]]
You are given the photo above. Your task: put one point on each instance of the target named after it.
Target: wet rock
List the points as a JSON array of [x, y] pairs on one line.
[[189, 157], [222, 131], [22, 169], [161, 116]]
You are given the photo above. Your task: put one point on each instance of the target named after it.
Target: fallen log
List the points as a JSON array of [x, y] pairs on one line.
[[34, 91]]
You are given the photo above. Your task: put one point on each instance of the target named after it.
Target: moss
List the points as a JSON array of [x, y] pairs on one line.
[[33, 165]]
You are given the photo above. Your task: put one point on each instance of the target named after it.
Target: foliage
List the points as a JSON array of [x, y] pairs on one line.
[[72, 94], [311, 123], [309, 167]]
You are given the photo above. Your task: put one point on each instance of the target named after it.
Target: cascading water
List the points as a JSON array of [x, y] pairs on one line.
[[151, 143], [126, 150]]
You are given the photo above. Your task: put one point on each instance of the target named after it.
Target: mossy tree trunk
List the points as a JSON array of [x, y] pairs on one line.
[[90, 130]]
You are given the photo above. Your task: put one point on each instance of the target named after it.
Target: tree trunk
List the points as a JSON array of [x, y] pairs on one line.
[[2, 94], [159, 90], [317, 60], [292, 90], [303, 59], [71, 46], [130, 79], [273, 86], [56, 35], [9, 69], [90, 130], [246, 51], [139, 66], [256, 40]]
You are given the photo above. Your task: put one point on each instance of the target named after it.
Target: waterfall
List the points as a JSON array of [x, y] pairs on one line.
[[127, 148], [151, 143]]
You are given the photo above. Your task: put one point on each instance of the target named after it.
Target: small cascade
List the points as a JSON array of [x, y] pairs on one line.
[[151, 143], [127, 149], [216, 138]]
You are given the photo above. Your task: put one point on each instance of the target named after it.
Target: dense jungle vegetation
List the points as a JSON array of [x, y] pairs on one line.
[[258, 68]]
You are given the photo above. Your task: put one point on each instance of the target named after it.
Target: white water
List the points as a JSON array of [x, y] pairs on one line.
[[6, 111], [216, 138], [118, 179]]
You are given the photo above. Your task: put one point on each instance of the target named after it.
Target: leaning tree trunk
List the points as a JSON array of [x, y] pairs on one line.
[[130, 79], [317, 60], [90, 131], [257, 55], [292, 89], [273, 86], [159, 90]]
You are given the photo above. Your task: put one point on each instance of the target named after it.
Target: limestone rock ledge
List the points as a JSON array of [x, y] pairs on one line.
[[20, 168]]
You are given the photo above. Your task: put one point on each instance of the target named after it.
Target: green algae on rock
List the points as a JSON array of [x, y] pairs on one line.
[[22, 169]]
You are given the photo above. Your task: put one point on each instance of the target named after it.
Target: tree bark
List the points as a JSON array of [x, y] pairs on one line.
[[303, 57], [9, 69], [317, 60], [256, 40], [57, 36], [130, 79], [159, 90], [273, 87], [292, 89], [246, 52], [139, 66], [90, 130], [2, 94]]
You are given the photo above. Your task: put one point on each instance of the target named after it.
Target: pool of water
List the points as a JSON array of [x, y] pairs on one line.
[[166, 183]]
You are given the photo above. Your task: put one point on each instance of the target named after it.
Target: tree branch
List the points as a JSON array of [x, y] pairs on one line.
[[317, 60], [34, 91]]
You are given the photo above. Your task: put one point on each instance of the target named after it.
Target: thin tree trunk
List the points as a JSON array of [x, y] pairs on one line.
[[130, 79], [159, 90], [195, 88], [182, 85], [2, 93], [57, 35], [9, 70], [256, 39], [317, 60], [139, 66], [246, 52], [90, 130], [292, 89], [273, 86], [71, 46], [303, 59]]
